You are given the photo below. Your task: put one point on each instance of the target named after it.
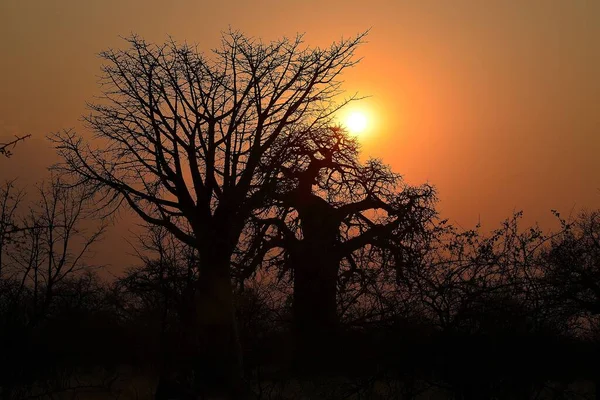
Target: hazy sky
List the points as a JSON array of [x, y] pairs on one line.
[[497, 103]]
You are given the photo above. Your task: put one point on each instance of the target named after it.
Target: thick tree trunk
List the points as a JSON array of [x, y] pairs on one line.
[[212, 337], [315, 264], [315, 310]]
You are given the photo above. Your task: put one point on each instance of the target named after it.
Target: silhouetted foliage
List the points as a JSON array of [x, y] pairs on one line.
[[44, 280], [472, 316], [573, 264]]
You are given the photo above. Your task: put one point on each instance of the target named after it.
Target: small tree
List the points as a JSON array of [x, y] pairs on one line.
[[44, 251], [181, 141], [572, 265]]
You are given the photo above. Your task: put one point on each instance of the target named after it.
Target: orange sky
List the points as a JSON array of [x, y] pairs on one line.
[[497, 103]]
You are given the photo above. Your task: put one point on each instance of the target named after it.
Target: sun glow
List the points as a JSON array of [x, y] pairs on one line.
[[356, 122]]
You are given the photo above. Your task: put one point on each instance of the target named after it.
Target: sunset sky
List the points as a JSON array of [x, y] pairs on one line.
[[496, 103]]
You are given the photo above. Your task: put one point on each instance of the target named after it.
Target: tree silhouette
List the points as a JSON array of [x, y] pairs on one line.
[[10, 199], [183, 140], [328, 206], [45, 249], [573, 264]]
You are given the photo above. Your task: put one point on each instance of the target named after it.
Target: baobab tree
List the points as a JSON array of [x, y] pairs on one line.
[[183, 140], [327, 207]]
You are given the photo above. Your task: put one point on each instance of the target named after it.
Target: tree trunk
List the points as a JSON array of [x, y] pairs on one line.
[[314, 310], [212, 337], [315, 264]]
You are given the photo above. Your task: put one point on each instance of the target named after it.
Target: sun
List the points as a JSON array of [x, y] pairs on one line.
[[356, 122]]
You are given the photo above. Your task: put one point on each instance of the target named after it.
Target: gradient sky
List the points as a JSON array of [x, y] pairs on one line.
[[497, 103]]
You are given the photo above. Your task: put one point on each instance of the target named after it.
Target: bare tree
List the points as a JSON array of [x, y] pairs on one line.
[[327, 207], [181, 140], [10, 199], [45, 248], [572, 264], [49, 242], [473, 287]]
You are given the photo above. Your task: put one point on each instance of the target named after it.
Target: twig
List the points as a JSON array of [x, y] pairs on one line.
[[5, 147]]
